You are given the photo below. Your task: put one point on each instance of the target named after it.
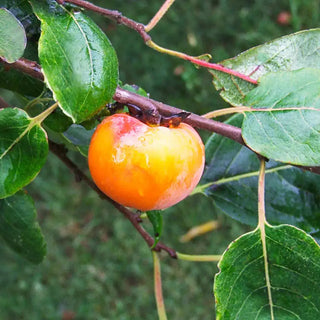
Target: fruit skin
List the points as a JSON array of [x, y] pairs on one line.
[[144, 167]]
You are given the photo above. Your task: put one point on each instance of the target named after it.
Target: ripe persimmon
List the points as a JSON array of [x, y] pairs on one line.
[[145, 167]]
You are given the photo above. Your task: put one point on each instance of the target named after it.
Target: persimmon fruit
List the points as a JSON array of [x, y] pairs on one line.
[[145, 167]]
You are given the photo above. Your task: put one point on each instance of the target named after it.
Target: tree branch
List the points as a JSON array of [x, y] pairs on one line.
[[147, 104], [33, 69], [135, 220], [4, 104], [29, 67]]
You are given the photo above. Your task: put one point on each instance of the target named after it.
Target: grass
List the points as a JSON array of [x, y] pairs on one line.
[[97, 266]]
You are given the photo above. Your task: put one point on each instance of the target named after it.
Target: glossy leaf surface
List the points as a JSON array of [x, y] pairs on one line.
[[292, 195], [289, 130], [291, 52], [293, 267], [23, 150], [12, 36], [78, 61], [19, 229]]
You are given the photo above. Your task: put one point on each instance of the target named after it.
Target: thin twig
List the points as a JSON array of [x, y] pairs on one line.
[[4, 104], [111, 14], [29, 67], [135, 220], [158, 16]]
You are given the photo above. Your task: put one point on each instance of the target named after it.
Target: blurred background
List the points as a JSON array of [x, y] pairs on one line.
[[97, 266]]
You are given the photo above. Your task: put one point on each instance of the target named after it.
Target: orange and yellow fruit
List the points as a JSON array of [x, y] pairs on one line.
[[145, 167]]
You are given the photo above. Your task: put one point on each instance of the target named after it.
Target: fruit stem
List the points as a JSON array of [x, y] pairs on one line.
[[158, 287]]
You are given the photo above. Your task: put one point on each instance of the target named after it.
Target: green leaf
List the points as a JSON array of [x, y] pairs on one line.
[[16, 81], [12, 36], [79, 63], [230, 179], [22, 10], [23, 150], [289, 131], [57, 121], [292, 52], [293, 267], [156, 220], [76, 138], [19, 229], [80, 137]]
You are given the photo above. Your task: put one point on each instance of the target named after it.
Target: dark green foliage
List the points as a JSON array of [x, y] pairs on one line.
[[19, 228], [20, 135]]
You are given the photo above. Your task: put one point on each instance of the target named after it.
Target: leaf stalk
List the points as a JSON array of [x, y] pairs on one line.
[[199, 258], [200, 62], [262, 226], [201, 188], [226, 111], [42, 116], [158, 287], [158, 16]]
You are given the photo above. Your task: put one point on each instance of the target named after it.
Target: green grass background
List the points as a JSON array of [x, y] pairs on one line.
[[97, 266]]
